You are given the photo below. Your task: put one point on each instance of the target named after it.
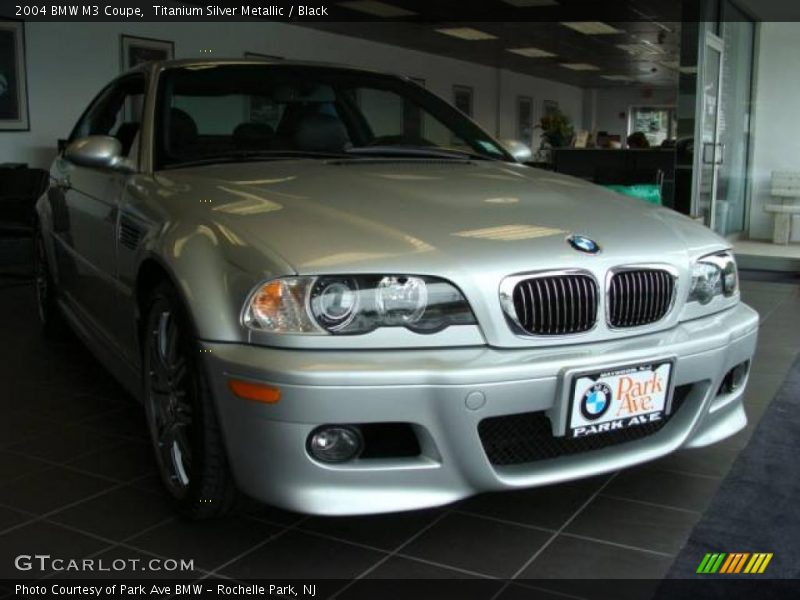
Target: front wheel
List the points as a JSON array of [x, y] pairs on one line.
[[180, 413]]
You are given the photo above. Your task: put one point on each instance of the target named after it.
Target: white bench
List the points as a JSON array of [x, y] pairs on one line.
[[786, 186]]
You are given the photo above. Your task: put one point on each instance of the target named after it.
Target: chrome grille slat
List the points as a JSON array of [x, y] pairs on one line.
[[558, 304], [639, 297]]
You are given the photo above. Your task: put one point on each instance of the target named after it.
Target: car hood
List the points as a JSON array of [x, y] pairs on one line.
[[427, 216]]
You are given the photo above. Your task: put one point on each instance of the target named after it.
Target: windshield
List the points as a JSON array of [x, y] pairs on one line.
[[255, 112]]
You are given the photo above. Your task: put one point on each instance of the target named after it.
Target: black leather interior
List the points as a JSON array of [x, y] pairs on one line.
[[317, 132], [182, 131], [254, 136]]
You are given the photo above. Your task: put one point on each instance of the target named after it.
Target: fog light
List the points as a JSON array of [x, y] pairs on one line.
[[735, 378], [335, 443]]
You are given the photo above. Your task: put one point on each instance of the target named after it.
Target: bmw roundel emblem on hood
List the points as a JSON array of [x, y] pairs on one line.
[[582, 243]]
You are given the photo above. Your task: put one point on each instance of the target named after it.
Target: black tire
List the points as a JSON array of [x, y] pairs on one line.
[[184, 430], [54, 326]]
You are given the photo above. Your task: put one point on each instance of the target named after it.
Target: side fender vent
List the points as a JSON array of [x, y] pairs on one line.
[[130, 233]]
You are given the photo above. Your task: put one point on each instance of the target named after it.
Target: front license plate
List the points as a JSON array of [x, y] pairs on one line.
[[618, 399]]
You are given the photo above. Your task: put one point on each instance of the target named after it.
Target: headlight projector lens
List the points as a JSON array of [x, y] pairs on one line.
[[334, 302]]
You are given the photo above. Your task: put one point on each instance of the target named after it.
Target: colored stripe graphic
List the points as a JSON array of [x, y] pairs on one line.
[[734, 562], [758, 563], [711, 562]]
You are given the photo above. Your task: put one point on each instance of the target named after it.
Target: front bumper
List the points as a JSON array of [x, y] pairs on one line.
[[430, 388]]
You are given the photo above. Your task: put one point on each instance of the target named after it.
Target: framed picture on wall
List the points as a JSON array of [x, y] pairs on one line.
[[13, 82], [462, 99], [137, 50], [525, 120], [549, 107]]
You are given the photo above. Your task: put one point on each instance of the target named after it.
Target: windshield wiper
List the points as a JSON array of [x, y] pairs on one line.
[[253, 155], [417, 151]]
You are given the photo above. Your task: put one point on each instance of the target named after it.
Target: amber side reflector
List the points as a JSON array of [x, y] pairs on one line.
[[254, 391]]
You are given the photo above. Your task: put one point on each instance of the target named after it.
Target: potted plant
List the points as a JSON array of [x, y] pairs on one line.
[[556, 128]]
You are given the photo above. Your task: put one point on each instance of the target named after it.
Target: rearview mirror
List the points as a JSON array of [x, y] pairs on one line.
[[519, 150], [98, 152]]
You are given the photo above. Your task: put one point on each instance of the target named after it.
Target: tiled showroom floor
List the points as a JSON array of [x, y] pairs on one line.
[[77, 479]]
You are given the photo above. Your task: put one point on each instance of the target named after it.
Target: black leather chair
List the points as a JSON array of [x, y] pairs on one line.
[[20, 187]]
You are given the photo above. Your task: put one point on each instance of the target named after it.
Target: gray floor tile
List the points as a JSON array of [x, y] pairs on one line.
[[50, 489], [65, 444], [118, 514], [479, 545], [386, 532], [125, 461], [413, 579], [43, 538], [714, 461], [634, 524], [548, 507], [398, 567], [677, 490], [18, 427], [588, 569], [10, 518], [298, 555], [209, 543], [13, 465]]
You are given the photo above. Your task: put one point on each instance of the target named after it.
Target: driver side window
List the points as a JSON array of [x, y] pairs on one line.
[[117, 112]]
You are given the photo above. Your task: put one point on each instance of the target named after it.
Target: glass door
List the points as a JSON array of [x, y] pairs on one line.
[[734, 125], [708, 151]]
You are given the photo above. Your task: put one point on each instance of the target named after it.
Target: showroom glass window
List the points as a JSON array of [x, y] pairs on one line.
[[117, 112], [232, 109]]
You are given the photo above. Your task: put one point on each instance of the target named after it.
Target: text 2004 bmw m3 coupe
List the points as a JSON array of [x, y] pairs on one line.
[[335, 293]]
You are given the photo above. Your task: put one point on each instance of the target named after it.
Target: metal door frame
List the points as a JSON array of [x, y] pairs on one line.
[[716, 43]]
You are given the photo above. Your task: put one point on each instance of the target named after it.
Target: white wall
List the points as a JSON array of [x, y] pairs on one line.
[[68, 63], [603, 107], [776, 126]]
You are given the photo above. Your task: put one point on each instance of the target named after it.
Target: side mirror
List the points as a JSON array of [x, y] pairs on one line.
[[519, 150], [98, 152]]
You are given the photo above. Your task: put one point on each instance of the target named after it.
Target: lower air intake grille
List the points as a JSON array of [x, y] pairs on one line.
[[639, 297], [528, 437], [556, 304]]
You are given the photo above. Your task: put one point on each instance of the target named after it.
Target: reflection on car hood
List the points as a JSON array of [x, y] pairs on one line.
[[427, 216]]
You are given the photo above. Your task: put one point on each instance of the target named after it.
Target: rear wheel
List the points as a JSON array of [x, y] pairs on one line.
[[180, 413], [50, 315]]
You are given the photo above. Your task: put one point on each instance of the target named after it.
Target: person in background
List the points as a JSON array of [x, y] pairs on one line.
[[638, 140]]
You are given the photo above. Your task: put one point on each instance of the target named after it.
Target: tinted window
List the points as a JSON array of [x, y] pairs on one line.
[[234, 111]]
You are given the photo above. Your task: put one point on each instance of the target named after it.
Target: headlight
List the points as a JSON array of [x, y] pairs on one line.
[[712, 276], [355, 304]]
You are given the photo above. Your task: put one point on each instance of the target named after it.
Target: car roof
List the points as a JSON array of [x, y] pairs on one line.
[[195, 62]]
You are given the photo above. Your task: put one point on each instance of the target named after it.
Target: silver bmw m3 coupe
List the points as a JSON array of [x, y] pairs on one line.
[[335, 293]]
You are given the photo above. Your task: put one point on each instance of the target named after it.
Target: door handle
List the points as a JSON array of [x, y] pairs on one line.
[[708, 153]]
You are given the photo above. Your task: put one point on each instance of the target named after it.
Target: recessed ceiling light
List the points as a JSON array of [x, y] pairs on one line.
[[531, 3], [618, 77], [580, 67], [467, 33], [688, 70], [378, 9], [531, 52], [643, 48], [591, 27]]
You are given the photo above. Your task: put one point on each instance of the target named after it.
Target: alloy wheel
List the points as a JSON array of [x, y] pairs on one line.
[[169, 410]]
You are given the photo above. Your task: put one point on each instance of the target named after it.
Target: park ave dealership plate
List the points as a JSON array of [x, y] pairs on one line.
[[612, 400]]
